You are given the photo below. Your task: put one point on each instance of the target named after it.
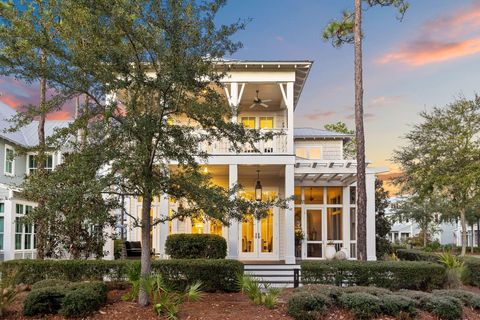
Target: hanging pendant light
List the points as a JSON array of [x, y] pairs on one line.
[[258, 188]]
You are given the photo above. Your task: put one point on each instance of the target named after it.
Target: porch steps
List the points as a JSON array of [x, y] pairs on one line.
[[277, 275]]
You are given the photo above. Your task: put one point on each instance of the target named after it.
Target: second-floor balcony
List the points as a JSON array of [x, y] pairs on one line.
[[276, 145]]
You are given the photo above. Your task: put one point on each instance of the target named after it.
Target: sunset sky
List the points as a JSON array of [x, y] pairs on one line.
[[426, 60]]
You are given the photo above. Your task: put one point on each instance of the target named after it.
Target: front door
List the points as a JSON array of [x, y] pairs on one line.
[[258, 240], [315, 233]]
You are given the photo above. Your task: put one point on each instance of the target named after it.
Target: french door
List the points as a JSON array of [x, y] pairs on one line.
[[315, 231], [259, 237]]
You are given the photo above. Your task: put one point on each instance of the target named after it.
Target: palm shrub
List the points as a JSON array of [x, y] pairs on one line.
[[8, 294], [165, 300], [133, 276], [454, 269], [260, 294]]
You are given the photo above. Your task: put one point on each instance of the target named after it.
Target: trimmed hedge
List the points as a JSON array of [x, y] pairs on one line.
[[393, 275], [416, 255], [307, 305], [44, 301], [196, 246], [362, 304], [471, 272], [50, 283], [215, 275], [83, 299], [75, 300], [445, 307]]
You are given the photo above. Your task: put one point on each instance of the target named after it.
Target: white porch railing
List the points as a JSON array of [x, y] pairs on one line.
[[276, 145]]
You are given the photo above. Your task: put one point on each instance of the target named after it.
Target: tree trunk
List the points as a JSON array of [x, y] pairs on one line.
[[478, 233], [143, 298], [359, 134], [41, 157], [425, 238], [464, 232], [473, 237]]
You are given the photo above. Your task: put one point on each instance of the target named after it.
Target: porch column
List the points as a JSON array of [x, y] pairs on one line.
[[346, 220], [9, 230], [289, 231], [233, 228], [371, 245], [290, 118], [162, 227]]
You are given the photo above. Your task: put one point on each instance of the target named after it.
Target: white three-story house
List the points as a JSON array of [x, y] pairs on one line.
[[303, 162]]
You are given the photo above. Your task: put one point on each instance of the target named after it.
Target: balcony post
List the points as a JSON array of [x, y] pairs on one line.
[[290, 117], [233, 228], [289, 231]]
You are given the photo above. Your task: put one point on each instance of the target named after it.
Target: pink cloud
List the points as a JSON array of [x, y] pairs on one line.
[[383, 101], [444, 38], [279, 38], [366, 116], [319, 115]]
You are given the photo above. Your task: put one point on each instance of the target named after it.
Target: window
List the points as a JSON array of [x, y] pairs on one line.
[[298, 195], [313, 195], [9, 161], [2, 207], [266, 122], [334, 223], [353, 195], [353, 224], [19, 209], [334, 195], [32, 163], [315, 153], [249, 122], [301, 152], [18, 234]]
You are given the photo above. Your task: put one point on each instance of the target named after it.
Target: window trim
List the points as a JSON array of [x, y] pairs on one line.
[[27, 167], [12, 174], [257, 120]]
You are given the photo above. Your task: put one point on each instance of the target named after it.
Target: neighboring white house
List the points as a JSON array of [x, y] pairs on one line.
[[17, 239], [303, 162], [402, 230]]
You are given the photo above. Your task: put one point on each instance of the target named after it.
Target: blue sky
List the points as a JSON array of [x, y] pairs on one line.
[[426, 60]]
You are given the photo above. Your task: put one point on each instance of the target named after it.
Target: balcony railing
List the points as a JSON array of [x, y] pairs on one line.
[[276, 145]]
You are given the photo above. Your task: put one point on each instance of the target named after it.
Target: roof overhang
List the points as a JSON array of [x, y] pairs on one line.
[[301, 68]]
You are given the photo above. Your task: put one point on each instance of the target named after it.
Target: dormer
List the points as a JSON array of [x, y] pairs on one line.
[[318, 144]]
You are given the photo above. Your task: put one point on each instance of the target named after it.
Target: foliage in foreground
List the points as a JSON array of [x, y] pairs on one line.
[[454, 270], [8, 293], [260, 294], [311, 302]]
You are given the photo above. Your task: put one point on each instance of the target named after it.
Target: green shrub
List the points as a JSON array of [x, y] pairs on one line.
[[50, 283], [469, 299], [396, 305], [215, 275], [307, 305], [374, 291], [44, 301], [471, 272], [417, 296], [454, 269], [363, 305], [84, 298], [393, 275], [445, 307], [416, 255], [31, 271], [196, 246]]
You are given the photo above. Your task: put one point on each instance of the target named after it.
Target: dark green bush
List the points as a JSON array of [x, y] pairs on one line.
[[469, 299], [307, 305], [375, 291], [84, 298], [416, 255], [416, 296], [396, 305], [445, 307], [196, 246], [393, 275], [363, 305], [471, 272], [44, 301], [31, 271], [50, 283], [215, 275]]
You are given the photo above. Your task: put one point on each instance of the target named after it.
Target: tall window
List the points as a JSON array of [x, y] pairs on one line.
[[248, 122], [266, 122], [32, 163], [9, 161], [24, 232]]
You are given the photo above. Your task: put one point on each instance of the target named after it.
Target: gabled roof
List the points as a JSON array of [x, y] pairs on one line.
[[26, 136], [313, 133]]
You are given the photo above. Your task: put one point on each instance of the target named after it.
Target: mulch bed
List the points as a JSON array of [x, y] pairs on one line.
[[213, 306]]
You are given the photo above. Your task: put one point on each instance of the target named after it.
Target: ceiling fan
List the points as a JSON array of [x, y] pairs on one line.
[[259, 102]]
